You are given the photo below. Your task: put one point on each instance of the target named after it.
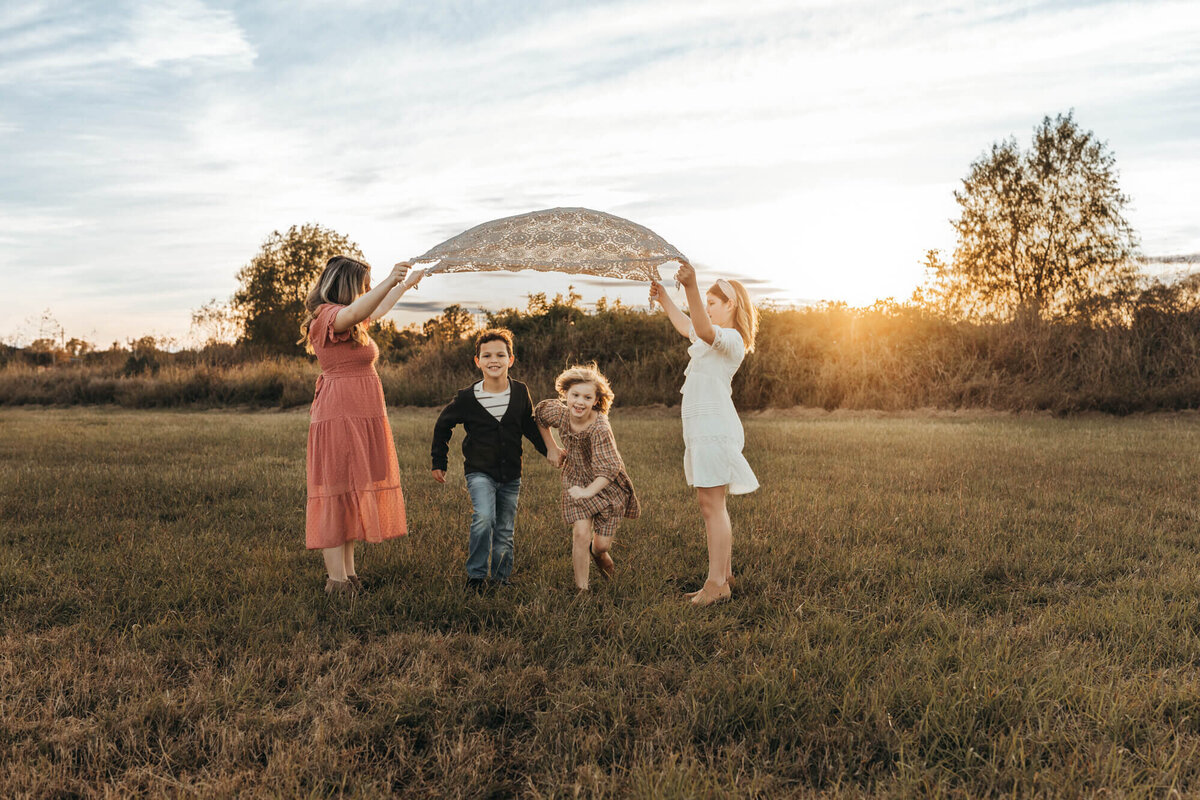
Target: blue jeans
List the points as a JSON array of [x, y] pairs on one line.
[[491, 525]]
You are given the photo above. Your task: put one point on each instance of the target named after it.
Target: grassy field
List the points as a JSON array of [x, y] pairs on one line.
[[931, 605]]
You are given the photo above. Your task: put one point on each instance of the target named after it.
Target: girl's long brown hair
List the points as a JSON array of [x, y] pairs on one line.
[[341, 281]]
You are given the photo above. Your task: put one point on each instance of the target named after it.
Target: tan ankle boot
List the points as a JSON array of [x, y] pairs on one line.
[[338, 588]]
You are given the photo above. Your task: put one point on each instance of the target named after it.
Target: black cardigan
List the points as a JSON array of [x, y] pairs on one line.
[[491, 446]]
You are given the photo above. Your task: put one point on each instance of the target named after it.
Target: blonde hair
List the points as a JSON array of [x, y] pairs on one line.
[[745, 315], [586, 373], [341, 281]]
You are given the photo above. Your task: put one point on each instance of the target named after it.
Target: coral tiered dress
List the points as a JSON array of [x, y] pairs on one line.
[[353, 477]]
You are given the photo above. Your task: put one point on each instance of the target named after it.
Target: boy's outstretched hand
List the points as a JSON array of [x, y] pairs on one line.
[[556, 457], [439, 475]]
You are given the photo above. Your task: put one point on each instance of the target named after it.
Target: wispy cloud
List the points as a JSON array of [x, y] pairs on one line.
[[74, 45], [811, 146], [183, 30]]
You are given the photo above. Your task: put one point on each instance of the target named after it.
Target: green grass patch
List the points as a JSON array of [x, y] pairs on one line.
[[933, 605]]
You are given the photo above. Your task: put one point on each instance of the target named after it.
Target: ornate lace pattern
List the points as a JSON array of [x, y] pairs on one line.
[[574, 240]]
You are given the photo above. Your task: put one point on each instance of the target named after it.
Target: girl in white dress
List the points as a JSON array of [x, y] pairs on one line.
[[722, 329]]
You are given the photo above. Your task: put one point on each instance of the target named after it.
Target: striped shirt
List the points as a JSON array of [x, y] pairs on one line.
[[496, 404]]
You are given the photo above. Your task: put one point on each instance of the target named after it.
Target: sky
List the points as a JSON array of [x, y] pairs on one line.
[[811, 148]]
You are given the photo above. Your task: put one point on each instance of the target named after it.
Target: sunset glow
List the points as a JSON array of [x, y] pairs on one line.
[[811, 148]]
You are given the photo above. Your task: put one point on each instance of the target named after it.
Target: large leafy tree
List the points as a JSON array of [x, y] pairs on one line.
[[269, 302], [1042, 231]]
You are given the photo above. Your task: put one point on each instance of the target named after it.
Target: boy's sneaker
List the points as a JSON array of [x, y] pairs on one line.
[[476, 585], [500, 583]]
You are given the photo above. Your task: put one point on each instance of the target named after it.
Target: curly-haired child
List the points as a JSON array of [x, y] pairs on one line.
[[597, 492]]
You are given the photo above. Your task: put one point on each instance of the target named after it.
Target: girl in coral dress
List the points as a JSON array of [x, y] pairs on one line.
[[353, 478]]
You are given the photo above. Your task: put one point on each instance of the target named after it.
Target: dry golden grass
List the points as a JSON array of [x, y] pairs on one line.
[[884, 357], [941, 605]]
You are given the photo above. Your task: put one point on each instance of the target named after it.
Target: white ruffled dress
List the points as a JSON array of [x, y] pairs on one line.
[[712, 432]]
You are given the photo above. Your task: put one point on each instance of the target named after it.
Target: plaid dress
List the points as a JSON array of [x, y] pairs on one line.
[[591, 453]]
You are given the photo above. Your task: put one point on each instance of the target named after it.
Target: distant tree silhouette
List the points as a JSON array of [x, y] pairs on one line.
[[78, 348], [215, 323], [452, 324], [145, 355], [1042, 232], [395, 344], [270, 300]]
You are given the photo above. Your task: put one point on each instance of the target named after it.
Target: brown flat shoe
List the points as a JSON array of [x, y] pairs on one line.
[[711, 593], [354, 581], [604, 563], [731, 582]]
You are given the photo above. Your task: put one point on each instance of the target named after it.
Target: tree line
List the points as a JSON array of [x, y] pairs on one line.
[[1042, 304]]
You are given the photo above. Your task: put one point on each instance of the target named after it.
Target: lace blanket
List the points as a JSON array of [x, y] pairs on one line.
[[576, 240]]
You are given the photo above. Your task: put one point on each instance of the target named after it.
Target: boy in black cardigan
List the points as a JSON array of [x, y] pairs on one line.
[[496, 412]]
